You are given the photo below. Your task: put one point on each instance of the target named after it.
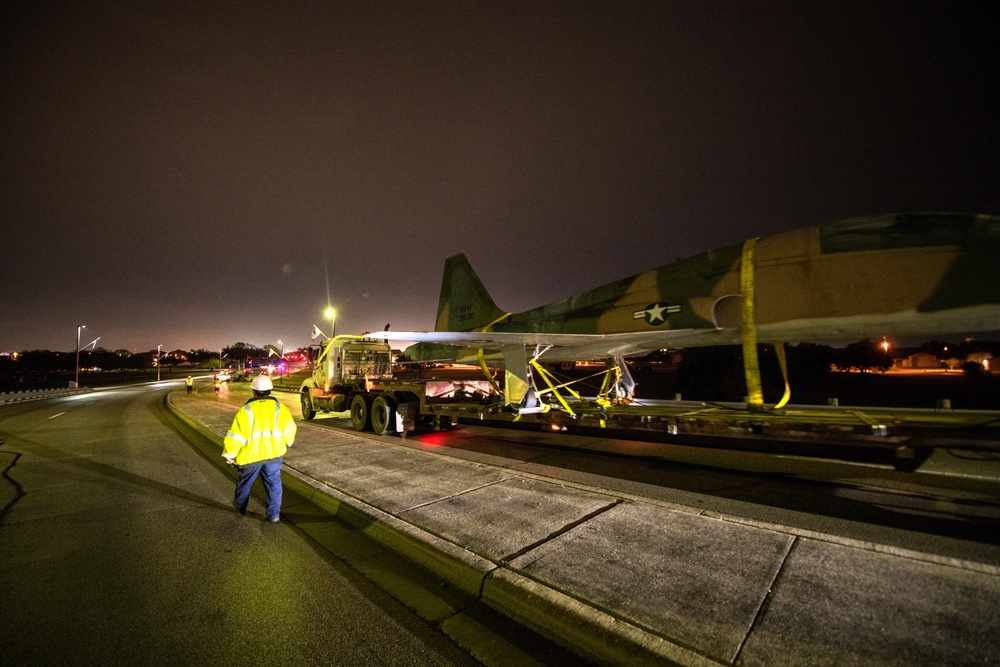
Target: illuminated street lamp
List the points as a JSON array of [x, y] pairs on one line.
[[281, 357], [332, 314], [78, 329]]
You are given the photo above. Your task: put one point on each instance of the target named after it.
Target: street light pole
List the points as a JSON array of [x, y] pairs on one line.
[[158, 361], [332, 314], [281, 358], [78, 329]]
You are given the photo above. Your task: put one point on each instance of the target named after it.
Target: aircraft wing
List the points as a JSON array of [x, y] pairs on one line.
[[562, 346], [464, 345]]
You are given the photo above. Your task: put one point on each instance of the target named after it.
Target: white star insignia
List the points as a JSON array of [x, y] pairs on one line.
[[656, 313]]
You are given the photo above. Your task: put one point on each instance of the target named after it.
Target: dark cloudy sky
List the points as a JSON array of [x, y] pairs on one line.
[[175, 173]]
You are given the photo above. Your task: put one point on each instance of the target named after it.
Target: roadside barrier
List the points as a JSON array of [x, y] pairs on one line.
[[39, 394]]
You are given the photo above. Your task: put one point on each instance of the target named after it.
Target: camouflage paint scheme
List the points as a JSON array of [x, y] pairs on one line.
[[915, 274]]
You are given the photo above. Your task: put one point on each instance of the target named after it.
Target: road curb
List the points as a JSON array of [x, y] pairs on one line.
[[458, 566], [591, 632]]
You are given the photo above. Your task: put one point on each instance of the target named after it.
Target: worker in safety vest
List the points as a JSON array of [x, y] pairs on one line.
[[189, 383], [261, 433]]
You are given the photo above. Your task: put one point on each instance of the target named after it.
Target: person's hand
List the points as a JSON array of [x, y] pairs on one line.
[[229, 461]]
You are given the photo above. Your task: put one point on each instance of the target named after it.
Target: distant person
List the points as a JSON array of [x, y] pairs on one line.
[[189, 383], [261, 433], [218, 384]]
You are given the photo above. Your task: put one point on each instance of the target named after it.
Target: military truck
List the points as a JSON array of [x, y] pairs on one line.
[[355, 373]]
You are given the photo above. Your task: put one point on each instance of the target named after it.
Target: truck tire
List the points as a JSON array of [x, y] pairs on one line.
[[383, 415], [361, 412], [308, 411]]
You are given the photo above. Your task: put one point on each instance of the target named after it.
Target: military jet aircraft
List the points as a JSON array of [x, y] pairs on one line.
[[915, 274]]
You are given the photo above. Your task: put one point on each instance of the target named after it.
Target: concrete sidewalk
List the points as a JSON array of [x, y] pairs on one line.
[[625, 580]]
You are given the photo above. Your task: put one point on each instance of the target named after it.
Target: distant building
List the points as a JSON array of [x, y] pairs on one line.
[[919, 360]]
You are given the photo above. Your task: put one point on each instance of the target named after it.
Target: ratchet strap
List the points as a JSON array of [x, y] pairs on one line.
[[748, 329], [779, 350]]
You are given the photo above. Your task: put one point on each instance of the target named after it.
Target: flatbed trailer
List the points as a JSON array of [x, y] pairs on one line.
[[355, 374], [902, 438]]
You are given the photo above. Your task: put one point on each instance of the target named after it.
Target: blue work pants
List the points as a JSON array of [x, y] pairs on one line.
[[270, 474]]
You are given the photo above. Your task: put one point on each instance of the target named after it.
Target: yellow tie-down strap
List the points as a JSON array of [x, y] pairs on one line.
[[486, 371], [481, 355], [779, 350], [748, 330]]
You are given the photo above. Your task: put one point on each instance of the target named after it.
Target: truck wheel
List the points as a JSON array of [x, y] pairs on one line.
[[308, 411], [383, 415], [361, 412]]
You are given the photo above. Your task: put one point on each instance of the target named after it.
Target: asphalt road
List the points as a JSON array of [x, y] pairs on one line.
[[119, 546]]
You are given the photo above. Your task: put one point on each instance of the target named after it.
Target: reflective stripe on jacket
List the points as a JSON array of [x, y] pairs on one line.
[[262, 429]]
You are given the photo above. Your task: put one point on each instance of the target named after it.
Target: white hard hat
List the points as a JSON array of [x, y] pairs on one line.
[[261, 383]]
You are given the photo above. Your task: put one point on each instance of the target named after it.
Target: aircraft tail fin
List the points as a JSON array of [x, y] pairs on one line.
[[465, 304]]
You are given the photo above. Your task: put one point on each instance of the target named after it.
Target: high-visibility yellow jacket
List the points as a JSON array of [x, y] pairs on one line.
[[189, 381], [262, 429]]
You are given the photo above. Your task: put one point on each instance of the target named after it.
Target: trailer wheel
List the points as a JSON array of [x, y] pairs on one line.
[[308, 411], [361, 412], [383, 415]]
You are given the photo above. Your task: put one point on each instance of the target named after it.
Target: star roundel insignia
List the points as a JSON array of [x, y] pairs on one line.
[[656, 313]]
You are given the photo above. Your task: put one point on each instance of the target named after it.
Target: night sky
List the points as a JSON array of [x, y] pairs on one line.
[[193, 174]]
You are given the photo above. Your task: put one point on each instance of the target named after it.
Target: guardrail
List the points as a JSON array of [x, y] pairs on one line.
[[39, 394]]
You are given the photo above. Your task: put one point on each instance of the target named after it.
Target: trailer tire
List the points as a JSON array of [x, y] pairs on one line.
[[361, 412], [308, 411], [383, 415]]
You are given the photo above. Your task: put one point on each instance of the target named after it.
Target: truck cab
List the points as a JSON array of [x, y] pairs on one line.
[[354, 373], [344, 368], [352, 362]]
